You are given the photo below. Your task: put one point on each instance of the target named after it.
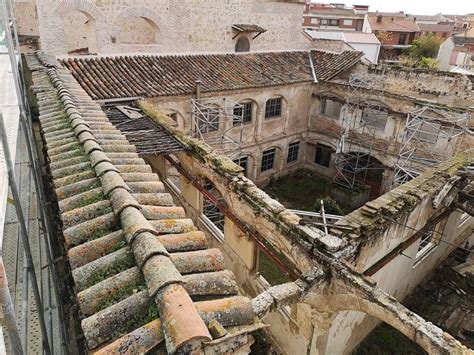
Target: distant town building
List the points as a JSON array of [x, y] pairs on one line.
[[367, 43], [394, 32], [334, 17], [457, 52]]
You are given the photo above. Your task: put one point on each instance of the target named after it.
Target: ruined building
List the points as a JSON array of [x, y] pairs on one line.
[[153, 163]]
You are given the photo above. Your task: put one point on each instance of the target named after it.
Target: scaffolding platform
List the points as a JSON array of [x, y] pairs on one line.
[[13, 256]]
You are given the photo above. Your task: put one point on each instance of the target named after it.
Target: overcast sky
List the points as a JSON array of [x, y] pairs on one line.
[[418, 7]]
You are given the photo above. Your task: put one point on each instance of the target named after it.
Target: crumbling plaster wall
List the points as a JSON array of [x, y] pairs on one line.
[[183, 26], [440, 87], [411, 207], [260, 134], [290, 329], [335, 332]]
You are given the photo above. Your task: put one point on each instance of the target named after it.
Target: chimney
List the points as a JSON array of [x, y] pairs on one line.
[[414, 19], [198, 89], [391, 19], [379, 18]]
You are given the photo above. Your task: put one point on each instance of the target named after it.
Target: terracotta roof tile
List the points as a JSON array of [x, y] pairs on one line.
[[328, 65], [150, 76], [395, 24], [125, 238]]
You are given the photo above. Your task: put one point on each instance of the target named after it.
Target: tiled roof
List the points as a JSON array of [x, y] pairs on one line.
[[436, 27], [241, 27], [396, 25], [150, 76], [134, 255], [461, 40], [328, 65]]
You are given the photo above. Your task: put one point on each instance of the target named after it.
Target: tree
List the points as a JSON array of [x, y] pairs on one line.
[[426, 46]]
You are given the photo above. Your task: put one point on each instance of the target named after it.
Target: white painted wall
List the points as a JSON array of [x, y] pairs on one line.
[[370, 50]]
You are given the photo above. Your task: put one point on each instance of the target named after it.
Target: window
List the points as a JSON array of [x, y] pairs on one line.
[[268, 160], [323, 155], [330, 108], [210, 210], [402, 39], [375, 117], [347, 22], [243, 113], [427, 244], [209, 120], [329, 22], [243, 163], [427, 132], [242, 44], [273, 108], [293, 150]]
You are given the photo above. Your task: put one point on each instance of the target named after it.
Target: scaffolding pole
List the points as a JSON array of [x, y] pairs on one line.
[[24, 235], [12, 43], [218, 122], [430, 136], [363, 115]]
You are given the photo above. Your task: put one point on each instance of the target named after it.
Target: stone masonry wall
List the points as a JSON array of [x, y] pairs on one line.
[[181, 26]]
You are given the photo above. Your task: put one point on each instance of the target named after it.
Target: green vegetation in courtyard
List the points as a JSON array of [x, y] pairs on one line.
[[385, 340], [303, 190]]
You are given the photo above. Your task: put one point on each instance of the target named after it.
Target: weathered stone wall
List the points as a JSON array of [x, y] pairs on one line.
[[436, 86], [180, 26], [260, 134]]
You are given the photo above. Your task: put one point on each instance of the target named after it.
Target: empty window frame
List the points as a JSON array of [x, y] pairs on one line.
[[375, 117], [427, 244], [243, 163], [330, 108], [427, 132], [209, 119], [268, 160], [323, 155], [293, 150], [210, 210], [243, 113], [273, 108]]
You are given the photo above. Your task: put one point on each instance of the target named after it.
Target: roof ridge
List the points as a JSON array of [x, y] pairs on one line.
[[176, 309]]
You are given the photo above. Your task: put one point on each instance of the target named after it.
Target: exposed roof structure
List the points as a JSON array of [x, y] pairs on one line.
[[142, 132], [150, 76], [134, 255], [393, 24]]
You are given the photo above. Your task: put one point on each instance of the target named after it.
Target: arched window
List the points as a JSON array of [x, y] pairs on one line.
[[80, 32], [138, 30], [273, 108], [242, 44]]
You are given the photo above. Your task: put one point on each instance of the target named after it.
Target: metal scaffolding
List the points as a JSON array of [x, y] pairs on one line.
[[430, 136], [218, 122], [37, 310], [363, 115]]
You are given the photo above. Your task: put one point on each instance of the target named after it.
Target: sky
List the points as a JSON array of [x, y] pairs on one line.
[[417, 7]]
